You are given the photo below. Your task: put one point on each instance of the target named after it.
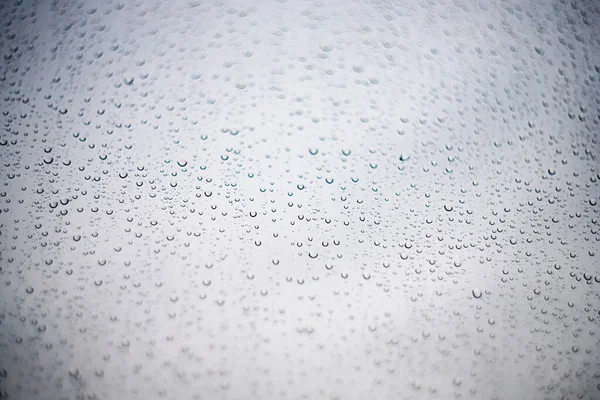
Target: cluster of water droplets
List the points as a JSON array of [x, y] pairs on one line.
[[299, 200]]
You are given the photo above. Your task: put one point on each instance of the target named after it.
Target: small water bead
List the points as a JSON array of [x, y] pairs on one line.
[[477, 293], [74, 373]]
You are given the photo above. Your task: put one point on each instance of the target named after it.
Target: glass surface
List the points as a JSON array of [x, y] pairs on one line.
[[299, 200]]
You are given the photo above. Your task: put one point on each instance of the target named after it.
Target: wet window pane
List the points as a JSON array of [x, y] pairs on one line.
[[299, 200]]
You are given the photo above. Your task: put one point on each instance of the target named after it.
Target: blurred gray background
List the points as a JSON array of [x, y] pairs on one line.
[[299, 200]]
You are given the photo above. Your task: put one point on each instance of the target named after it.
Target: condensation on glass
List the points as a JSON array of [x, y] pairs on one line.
[[299, 200]]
